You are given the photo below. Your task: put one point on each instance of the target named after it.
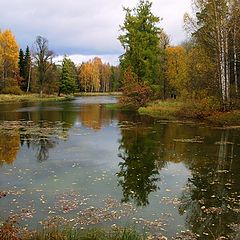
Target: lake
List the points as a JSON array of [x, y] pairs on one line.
[[83, 163]]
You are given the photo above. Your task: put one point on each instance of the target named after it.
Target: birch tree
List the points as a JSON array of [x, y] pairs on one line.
[[211, 30]]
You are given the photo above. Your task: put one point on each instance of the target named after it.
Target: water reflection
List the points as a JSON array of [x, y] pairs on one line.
[[141, 160], [39, 126], [208, 190], [95, 116], [211, 197], [9, 145]]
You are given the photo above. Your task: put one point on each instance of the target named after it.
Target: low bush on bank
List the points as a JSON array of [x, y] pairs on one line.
[[136, 93], [225, 118], [200, 108], [15, 90], [206, 109]]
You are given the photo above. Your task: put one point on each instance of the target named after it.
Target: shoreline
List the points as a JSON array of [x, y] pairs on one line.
[[35, 97], [172, 110], [32, 97], [86, 94]]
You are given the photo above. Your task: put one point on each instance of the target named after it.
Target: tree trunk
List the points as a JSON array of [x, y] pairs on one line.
[[227, 71], [235, 59], [29, 78]]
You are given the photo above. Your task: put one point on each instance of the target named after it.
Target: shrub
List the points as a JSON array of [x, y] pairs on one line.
[[200, 108], [157, 92], [135, 93], [10, 86], [12, 90]]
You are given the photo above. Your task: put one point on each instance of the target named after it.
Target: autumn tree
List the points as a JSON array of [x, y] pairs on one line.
[[135, 93], [214, 30], [161, 90], [105, 76], [95, 76], [85, 76], [176, 71], [51, 84], [68, 77], [9, 58], [43, 59]]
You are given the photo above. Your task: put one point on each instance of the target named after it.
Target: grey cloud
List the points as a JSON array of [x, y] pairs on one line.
[[82, 27]]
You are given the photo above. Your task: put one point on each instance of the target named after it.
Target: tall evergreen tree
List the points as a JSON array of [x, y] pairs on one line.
[[68, 77], [21, 63], [140, 40], [27, 70]]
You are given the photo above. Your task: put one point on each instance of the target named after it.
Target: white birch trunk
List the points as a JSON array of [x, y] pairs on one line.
[[235, 59], [222, 68], [227, 67], [29, 78]]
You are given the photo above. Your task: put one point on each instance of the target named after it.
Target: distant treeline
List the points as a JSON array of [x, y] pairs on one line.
[[34, 70]]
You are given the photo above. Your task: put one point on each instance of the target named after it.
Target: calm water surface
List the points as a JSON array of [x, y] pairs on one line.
[[79, 162]]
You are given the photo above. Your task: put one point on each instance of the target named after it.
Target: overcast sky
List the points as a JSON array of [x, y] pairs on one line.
[[83, 28]]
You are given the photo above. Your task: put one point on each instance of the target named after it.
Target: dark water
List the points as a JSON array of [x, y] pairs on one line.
[[79, 162]]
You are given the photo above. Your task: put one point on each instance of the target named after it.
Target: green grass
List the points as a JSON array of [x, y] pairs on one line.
[[162, 109], [116, 106], [88, 234], [8, 98]]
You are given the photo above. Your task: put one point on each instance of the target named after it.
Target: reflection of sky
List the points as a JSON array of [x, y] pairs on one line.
[[88, 154]]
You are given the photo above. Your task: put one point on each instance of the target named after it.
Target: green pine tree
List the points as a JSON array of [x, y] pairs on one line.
[[27, 69], [21, 63], [68, 77], [140, 40]]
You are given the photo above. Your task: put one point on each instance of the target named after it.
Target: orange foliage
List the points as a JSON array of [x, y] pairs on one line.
[[135, 93]]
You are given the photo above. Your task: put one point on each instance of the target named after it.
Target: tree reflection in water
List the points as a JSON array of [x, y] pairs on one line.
[[211, 198], [140, 152], [42, 137], [9, 145]]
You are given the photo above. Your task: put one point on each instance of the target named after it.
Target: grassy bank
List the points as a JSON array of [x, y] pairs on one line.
[[162, 109], [171, 110], [90, 234], [228, 119], [8, 98], [11, 231]]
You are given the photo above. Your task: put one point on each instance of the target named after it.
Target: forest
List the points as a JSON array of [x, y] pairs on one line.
[[202, 73], [35, 71], [148, 149]]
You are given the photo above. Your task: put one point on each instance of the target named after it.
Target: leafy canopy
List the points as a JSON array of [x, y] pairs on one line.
[[68, 77], [140, 40]]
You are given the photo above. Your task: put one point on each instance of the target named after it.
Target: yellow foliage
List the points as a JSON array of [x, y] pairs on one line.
[[9, 146], [8, 53], [94, 74], [177, 69]]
